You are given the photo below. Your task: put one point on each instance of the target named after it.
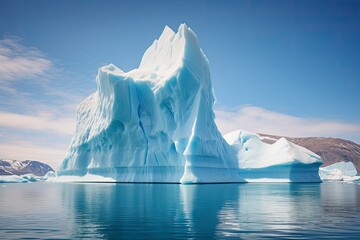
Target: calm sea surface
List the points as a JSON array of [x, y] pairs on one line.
[[171, 211]]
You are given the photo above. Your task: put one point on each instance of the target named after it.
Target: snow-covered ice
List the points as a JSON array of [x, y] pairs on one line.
[[156, 123], [52, 177], [340, 171], [88, 178], [281, 161], [347, 168], [26, 178]]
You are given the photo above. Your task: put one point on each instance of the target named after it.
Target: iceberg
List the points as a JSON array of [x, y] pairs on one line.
[[26, 178], [340, 171], [154, 123], [282, 161]]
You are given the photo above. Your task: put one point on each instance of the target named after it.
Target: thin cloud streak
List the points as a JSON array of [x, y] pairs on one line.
[[37, 119], [24, 150], [49, 123], [20, 62], [260, 120]]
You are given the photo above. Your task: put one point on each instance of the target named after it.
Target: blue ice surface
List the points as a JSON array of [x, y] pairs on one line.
[[294, 172], [26, 178]]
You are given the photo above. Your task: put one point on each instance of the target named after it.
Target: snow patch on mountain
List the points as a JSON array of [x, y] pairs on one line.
[[17, 167]]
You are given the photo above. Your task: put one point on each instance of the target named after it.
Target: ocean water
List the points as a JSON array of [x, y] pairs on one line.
[[172, 211]]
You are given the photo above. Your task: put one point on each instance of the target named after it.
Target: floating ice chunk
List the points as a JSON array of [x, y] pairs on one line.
[[20, 179], [341, 171], [281, 161], [88, 178]]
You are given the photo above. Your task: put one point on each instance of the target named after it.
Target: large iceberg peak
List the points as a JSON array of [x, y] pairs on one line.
[[173, 51], [154, 123]]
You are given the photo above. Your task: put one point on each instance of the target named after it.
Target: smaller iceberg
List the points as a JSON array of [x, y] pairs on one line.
[[281, 161], [26, 178], [341, 171]]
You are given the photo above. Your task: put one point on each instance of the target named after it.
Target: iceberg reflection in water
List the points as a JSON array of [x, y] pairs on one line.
[[246, 211]]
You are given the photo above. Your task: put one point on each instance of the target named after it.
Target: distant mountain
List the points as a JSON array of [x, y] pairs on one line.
[[331, 150], [16, 167]]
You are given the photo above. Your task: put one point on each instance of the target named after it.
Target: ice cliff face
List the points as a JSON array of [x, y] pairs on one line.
[[281, 161], [154, 123]]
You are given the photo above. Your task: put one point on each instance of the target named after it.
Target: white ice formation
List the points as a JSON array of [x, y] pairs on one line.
[[282, 161], [340, 171], [156, 124], [26, 178]]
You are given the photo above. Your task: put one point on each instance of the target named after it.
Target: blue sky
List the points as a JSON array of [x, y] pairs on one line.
[[290, 68]]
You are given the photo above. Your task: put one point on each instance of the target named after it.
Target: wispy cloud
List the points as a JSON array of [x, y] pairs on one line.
[[42, 135], [27, 150], [37, 114], [260, 120], [44, 122], [21, 62]]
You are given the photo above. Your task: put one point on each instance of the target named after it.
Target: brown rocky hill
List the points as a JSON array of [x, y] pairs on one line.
[[331, 150], [17, 167]]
